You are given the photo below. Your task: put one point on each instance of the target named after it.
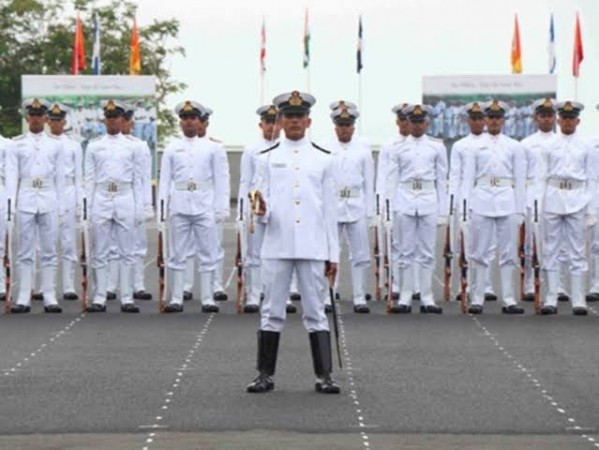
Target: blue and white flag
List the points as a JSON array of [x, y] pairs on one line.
[[551, 47], [96, 61]]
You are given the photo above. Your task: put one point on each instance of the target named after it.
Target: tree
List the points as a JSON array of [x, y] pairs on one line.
[[36, 37]]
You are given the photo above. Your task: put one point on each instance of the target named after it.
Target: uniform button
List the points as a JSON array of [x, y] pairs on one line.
[[296, 151], [296, 168], [296, 185], [297, 221], [297, 202]]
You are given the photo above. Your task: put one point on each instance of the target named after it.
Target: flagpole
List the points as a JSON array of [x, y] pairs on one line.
[[360, 106]]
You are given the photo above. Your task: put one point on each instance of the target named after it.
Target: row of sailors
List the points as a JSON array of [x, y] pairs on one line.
[[490, 171]]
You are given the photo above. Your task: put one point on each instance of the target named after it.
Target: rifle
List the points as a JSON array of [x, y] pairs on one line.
[[464, 261], [160, 259], [239, 262], [335, 318], [536, 260], [522, 256], [7, 259], [84, 258], [447, 253], [389, 258], [377, 253]]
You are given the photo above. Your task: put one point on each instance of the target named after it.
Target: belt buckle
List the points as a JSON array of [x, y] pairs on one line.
[[416, 185], [37, 183], [569, 185], [112, 186], [344, 193], [191, 186], [494, 181]]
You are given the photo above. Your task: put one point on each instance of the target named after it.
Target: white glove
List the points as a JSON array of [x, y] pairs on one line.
[[519, 218], [442, 221], [149, 213], [373, 221], [219, 217], [590, 220], [138, 218]]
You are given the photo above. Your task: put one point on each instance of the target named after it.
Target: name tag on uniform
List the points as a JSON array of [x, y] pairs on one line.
[[280, 165], [179, 150], [484, 148]]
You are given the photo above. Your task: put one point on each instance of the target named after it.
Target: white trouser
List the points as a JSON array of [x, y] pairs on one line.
[[253, 280], [2, 250], [356, 234], [195, 232], [123, 233], [568, 230], [487, 232], [139, 252], [68, 245], [417, 236], [46, 225], [254, 247], [217, 278], [276, 276], [189, 275]]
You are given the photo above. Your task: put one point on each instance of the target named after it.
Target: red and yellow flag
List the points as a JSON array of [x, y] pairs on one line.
[[78, 58], [135, 56], [516, 50]]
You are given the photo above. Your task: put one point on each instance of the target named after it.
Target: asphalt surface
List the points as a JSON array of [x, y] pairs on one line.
[[121, 381]]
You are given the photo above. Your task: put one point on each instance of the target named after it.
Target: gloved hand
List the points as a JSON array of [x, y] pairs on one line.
[[373, 221], [219, 217], [78, 213], [138, 218], [149, 213], [590, 220], [442, 220], [519, 217]]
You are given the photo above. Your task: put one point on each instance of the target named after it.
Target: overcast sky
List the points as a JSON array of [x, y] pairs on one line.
[[403, 41]]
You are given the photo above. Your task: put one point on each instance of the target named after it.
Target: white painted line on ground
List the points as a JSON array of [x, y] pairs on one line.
[[171, 391], [535, 382]]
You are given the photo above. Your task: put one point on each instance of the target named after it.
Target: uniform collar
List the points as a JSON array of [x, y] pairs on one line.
[[113, 136], [36, 135], [302, 141]]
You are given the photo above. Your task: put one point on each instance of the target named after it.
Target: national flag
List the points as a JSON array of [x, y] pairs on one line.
[[263, 47], [96, 62], [516, 50], [359, 51], [306, 41], [578, 53], [135, 56], [551, 47], [78, 58]]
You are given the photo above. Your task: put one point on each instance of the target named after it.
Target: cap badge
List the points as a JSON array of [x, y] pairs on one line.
[[475, 108], [568, 106], [417, 111], [110, 106], [36, 104], [188, 106], [295, 99]]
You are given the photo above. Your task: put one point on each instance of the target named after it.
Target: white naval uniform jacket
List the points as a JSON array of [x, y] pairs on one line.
[[422, 159], [382, 167], [5, 147], [495, 177], [114, 159], [37, 156], [457, 167], [569, 158], [247, 170], [146, 158], [296, 180], [535, 145], [222, 203], [354, 179], [193, 162], [73, 172]]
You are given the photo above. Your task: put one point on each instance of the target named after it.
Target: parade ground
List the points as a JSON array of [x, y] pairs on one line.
[[418, 381]]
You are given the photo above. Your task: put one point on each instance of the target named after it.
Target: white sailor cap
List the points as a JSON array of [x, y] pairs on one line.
[[398, 109], [294, 102], [129, 110], [474, 109], [569, 108], [35, 106], [342, 103], [112, 108], [58, 111], [495, 108], [190, 108], [207, 113], [417, 113], [543, 105], [345, 116], [268, 113]]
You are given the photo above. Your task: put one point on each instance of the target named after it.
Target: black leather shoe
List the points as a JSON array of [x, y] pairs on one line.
[[53, 309], [400, 309], [592, 297], [210, 309], [262, 383], [529, 297], [19, 309], [251, 309], [368, 297], [129, 308], [475, 309], [70, 296], [295, 297], [512, 309], [142, 295], [326, 386], [563, 297], [337, 296], [110, 295], [416, 296], [173, 308], [261, 296], [328, 309], [490, 297], [548, 310], [3, 297], [431, 309], [579, 311], [96, 308], [220, 296], [187, 296], [291, 309], [37, 296], [361, 309]]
